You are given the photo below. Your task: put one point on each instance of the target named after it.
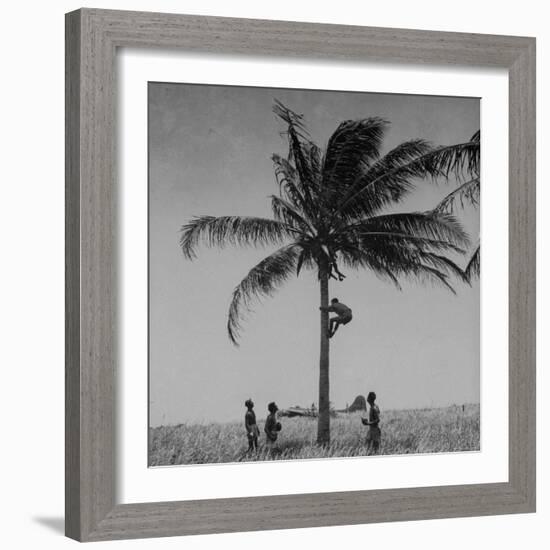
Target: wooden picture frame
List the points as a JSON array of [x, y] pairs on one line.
[[92, 38]]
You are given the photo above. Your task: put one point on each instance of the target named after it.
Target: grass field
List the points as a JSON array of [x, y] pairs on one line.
[[403, 432]]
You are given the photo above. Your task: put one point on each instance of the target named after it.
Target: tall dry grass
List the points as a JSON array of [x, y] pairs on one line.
[[437, 430]]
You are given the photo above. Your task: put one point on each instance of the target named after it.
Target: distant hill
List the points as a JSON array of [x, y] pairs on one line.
[[359, 404]]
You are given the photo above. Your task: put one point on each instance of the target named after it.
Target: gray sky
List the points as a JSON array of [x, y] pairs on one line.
[[209, 153]]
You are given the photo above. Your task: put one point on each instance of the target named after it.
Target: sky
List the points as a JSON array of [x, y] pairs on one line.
[[210, 151]]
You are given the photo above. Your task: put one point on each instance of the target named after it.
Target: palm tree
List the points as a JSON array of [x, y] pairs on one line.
[[328, 215]]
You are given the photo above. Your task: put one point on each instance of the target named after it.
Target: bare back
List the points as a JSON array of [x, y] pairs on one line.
[[340, 308]]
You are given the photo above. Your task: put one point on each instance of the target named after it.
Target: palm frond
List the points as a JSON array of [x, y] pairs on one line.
[[354, 256], [426, 273], [444, 264], [460, 160], [394, 261], [405, 245], [416, 241], [291, 188], [388, 180], [431, 225], [287, 178], [314, 159], [474, 265], [438, 162], [290, 118], [262, 280], [301, 149], [466, 192], [351, 149], [289, 214], [235, 230]]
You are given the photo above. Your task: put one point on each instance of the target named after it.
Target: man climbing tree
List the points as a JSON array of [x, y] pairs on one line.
[[343, 315]]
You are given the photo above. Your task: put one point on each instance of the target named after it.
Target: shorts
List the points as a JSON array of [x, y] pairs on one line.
[[344, 319], [374, 434], [254, 432]]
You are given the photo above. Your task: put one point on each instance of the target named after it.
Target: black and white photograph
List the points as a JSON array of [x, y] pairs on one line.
[[314, 263], [270, 275]]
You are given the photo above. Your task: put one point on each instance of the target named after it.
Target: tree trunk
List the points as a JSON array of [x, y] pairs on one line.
[[323, 427]]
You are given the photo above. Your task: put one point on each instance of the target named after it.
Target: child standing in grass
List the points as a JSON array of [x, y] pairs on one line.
[[374, 434], [252, 430], [272, 427]]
